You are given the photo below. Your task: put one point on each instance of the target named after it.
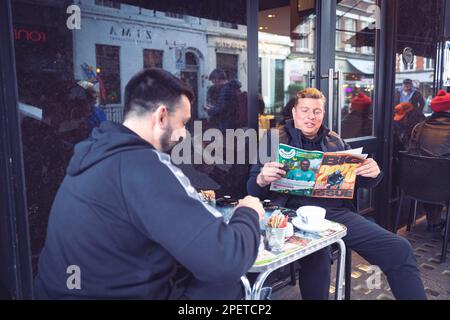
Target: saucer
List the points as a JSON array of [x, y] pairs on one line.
[[297, 222]]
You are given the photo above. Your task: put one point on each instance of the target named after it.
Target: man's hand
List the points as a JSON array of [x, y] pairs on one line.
[[368, 169], [253, 203], [272, 171]]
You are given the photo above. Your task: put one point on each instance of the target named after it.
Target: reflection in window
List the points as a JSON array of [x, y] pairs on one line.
[[228, 25], [108, 67], [111, 46], [153, 58], [286, 44], [174, 15], [429, 63], [355, 58], [229, 64], [278, 102]]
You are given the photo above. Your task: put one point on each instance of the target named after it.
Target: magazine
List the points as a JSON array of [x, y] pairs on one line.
[[318, 174]]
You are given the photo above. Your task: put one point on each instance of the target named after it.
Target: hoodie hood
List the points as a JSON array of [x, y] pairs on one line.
[[107, 140]]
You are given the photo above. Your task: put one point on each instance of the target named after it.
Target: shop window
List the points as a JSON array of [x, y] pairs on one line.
[[153, 58], [350, 28], [174, 15], [228, 25], [104, 54], [429, 64], [108, 68], [284, 69], [229, 64]]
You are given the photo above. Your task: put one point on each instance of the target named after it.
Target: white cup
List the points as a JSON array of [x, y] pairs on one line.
[[289, 230], [311, 215]]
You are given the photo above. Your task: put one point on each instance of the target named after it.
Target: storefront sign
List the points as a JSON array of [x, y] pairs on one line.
[[29, 35], [231, 45], [130, 34]]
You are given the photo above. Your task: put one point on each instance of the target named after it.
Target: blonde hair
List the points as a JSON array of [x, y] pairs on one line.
[[311, 93]]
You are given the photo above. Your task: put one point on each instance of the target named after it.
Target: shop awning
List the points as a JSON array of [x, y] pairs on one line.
[[363, 66]]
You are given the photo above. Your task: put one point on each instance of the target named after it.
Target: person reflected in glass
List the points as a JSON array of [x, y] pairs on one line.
[[358, 123], [223, 101], [408, 93], [406, 117]]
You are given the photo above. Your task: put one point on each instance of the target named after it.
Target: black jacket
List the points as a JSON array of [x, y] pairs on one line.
[[432, 137], [329, 141], [126, 216]]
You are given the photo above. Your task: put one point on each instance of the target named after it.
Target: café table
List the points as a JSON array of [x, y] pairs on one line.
[[300, 245]]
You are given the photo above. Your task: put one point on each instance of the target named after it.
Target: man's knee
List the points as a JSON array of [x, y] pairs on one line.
[[403, 245], [402, 252]]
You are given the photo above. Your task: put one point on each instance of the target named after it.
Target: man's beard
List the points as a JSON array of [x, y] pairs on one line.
[[166, 140]]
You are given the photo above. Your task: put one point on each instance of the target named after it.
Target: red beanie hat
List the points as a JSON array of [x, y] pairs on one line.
[[361, 102], [441, 102]]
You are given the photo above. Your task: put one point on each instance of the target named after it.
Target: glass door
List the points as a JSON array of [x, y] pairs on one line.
[[287, 56], [329, 45], [355, 64], [354, 111]]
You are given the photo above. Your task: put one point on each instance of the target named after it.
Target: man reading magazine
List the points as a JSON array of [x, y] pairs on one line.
[[378, 246]]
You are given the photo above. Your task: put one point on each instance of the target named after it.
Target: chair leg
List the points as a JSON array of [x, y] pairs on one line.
[[399, 212], [293, 278], [412, 213], [415, 213], [348, 274], [445, 243]]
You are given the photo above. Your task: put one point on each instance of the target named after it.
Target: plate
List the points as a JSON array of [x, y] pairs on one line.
[[297, 222]]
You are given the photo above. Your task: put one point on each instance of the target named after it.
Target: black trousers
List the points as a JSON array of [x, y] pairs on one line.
[[391, 253]]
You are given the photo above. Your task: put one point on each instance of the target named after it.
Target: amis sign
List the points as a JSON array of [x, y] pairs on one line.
[[131, 34]]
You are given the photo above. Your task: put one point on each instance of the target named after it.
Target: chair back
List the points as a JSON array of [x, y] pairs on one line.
[[425, 178]]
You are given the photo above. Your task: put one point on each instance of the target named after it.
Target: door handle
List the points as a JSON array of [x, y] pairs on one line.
[[340, 99], [330, 98]]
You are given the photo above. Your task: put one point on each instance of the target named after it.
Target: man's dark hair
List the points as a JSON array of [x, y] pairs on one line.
[[218, 74], [150, 88], [305, 160]]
